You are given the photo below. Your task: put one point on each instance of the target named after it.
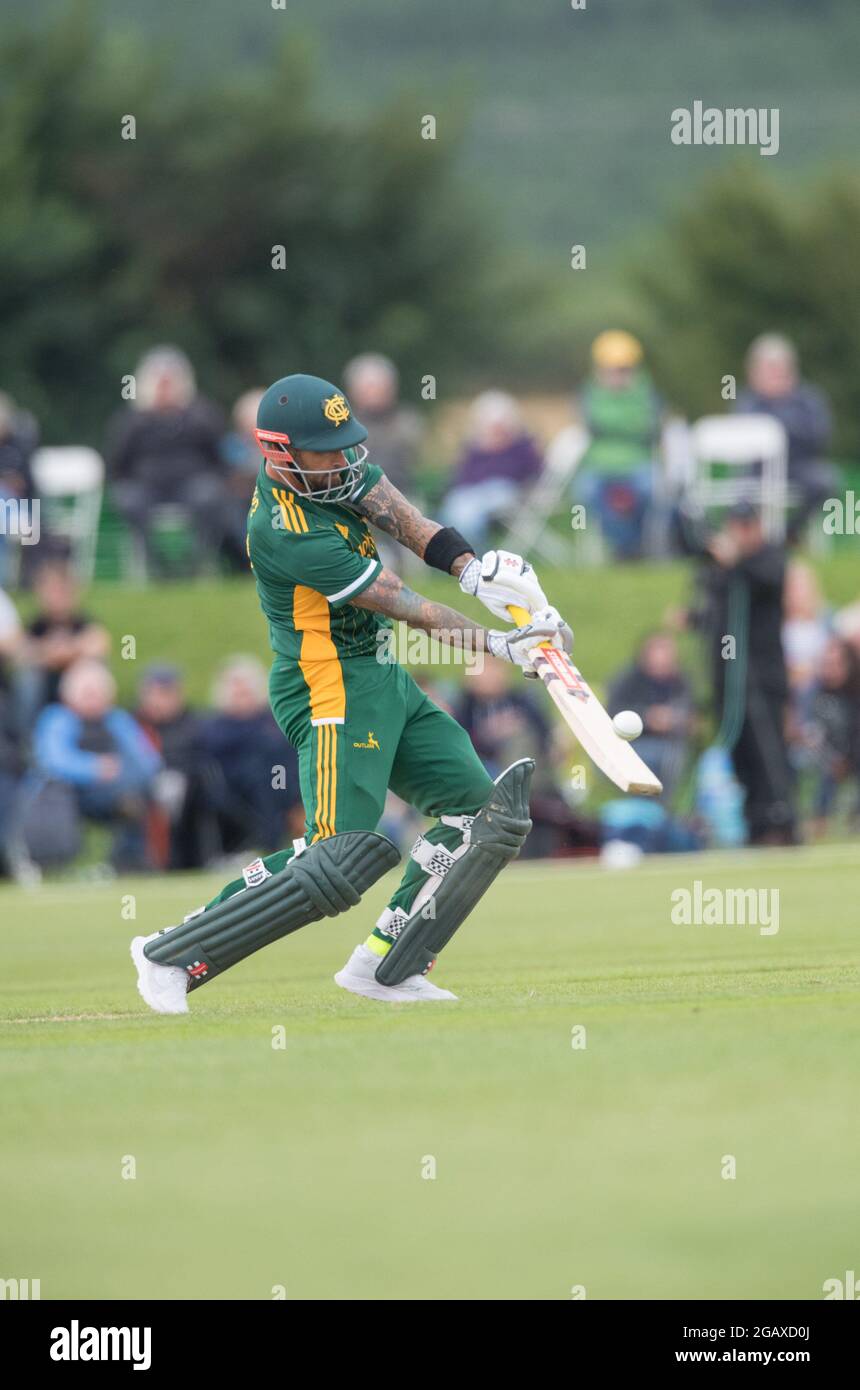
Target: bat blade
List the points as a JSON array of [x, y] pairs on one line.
[[587, 719]]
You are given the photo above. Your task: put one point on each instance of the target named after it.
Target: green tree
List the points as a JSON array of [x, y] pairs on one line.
[[744, 258], [109, 245]]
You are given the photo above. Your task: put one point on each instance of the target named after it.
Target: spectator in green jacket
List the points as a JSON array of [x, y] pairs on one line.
[[621, 412]]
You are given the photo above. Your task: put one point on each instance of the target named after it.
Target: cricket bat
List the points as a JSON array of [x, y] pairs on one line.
[[585, 716]]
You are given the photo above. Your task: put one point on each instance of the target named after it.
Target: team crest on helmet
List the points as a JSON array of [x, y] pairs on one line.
[[336, 409]]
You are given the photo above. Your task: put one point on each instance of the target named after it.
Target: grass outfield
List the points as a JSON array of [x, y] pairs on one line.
[[555, 1166]]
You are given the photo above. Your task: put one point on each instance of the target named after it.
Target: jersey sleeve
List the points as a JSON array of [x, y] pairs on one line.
[[371, 478], [323, 560]]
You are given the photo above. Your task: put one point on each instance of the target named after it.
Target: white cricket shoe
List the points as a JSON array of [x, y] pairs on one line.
[[358, 976], [163, 987]]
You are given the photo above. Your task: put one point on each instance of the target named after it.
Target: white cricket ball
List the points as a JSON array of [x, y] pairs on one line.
[[627, 724]]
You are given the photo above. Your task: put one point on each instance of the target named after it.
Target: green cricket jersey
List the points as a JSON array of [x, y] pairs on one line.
[[309, 559]]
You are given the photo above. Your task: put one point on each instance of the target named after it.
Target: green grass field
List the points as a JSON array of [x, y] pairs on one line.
[[556, 1166]]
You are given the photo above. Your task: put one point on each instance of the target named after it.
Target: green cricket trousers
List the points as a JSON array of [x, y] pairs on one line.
[[389, 734]]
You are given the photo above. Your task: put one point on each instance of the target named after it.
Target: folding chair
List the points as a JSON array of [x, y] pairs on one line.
[[734, 444], [69, 482], [527, 525]]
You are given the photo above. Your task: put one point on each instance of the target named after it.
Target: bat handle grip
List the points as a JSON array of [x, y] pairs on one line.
[[521, 616]]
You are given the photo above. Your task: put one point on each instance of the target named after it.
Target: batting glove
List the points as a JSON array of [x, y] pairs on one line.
[[516, 644], [500, 578]]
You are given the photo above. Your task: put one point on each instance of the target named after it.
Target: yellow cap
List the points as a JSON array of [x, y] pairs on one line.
[[615, 348]]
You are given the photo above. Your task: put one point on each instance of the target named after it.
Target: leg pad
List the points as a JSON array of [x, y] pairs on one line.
[[324, 880], [496, 836]]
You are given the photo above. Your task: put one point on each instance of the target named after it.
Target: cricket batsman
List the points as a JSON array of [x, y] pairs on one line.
[[358, 720]]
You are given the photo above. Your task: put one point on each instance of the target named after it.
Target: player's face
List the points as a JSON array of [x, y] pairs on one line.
[[325, 467]]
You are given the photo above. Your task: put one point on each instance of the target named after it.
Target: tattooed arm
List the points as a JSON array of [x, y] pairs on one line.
[[388, 509], [389, 595]]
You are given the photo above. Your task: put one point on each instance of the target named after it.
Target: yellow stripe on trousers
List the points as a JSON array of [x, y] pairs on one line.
[[325, 814]]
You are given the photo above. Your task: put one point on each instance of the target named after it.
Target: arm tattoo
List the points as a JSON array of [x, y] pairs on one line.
[[389, 595], [390, 511]]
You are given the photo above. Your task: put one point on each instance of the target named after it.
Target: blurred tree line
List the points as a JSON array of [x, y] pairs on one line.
[[741, 258], [109, 245]]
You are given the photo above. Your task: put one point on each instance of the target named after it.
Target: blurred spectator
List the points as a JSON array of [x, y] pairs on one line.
[[506, 724], [394, 431], [656, 688], [60, 634], [846, 624], [635, 825], [621, 412], [10, 756], [804, 634], [242, 453], [774, 387], [183, 829], [740, 614], [255, 780], [19, 435], [832, 729], [498, 462], [101, 755], [166, 448], [10, 638]]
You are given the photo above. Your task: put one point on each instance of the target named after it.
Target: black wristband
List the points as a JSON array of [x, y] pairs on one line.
[[443, 549]]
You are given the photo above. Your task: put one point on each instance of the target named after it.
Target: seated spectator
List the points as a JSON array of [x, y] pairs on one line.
[[506, 724], [622, 414], [500, 459], [254, 770], [101, 754], [846, 624], [19, 435], [832, 729], [656, 688], [394, 431], [184, 831], [166, 448], [774, 387], [11, 766], [242, 452], [60, 634], [804, 635]]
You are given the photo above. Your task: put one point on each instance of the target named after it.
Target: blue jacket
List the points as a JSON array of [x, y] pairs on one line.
[[56, 739]]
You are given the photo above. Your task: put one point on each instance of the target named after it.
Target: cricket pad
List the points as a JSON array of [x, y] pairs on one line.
[[323, 881], [496, 836]]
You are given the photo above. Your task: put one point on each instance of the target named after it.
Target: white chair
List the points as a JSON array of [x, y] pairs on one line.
[[737, 443], [69, 482], [673, 474]]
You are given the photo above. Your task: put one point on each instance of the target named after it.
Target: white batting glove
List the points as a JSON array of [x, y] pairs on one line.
[[516, 644], [500, 578]]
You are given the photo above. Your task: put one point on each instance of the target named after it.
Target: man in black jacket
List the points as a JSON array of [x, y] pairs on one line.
[[184, 830], [167, 449], [740, 615], [774, 387], [657, 689]]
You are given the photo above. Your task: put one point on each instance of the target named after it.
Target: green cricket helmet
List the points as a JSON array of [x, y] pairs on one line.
[[305, 412]]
